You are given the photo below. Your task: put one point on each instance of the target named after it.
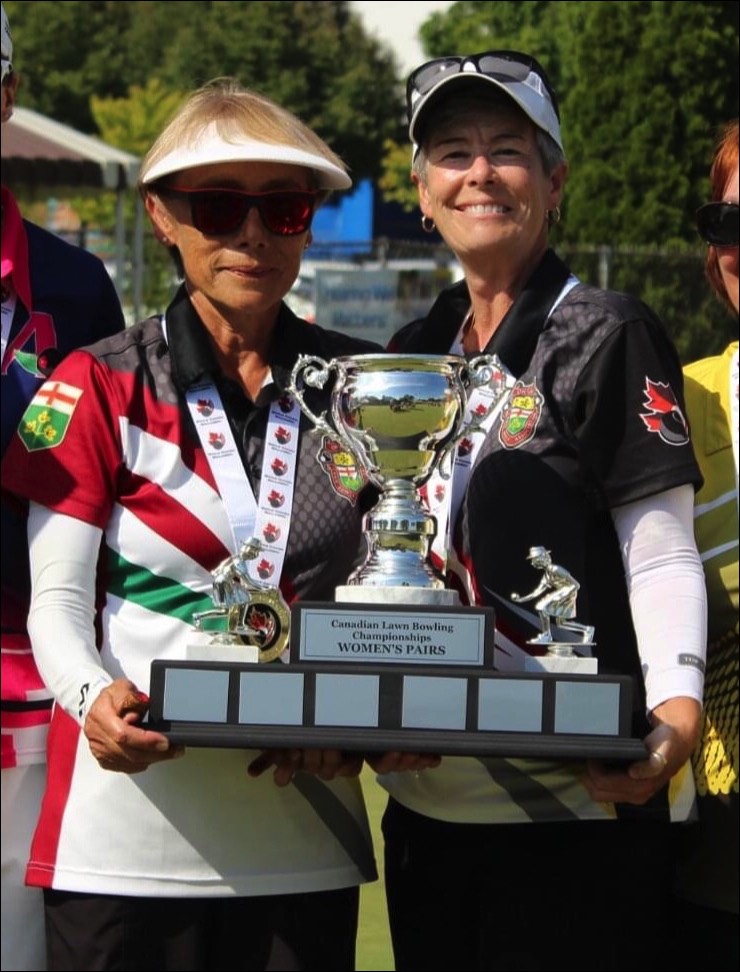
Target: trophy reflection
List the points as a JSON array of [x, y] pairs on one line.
[[402, 417]]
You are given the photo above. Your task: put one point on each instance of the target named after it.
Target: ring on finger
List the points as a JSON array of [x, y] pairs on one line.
[[657, 755]]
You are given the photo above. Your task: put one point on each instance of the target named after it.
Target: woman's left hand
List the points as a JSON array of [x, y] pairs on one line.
[[670, 744], [324, 763]]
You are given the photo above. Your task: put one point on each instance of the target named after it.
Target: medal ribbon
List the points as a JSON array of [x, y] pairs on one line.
[[268, 518]]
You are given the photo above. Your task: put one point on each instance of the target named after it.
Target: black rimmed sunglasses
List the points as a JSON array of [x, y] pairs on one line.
[[717, 223], [500, 65], [218, 212]]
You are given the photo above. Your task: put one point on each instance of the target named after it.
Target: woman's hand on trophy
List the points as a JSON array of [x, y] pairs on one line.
[[395, 762], [324, 763], [117, 740], [669, 746]]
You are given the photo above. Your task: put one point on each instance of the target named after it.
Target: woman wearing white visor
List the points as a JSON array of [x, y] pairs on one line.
[[164, 465]]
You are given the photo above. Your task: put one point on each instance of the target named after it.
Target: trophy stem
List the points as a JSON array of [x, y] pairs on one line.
[[399, 534]]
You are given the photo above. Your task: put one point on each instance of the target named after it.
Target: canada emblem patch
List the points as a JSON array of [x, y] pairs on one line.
[[663, 415], [520, 415], [347, 478], [46, 420]]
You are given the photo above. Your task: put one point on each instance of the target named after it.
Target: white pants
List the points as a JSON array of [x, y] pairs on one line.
[[22, 941]]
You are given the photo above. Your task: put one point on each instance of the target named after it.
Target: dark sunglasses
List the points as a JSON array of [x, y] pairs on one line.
[[717, 223], [218, 212], [501, 65]]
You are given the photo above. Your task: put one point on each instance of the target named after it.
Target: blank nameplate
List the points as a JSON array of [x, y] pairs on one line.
[[434, 703], [587, 708], [347, 700], [465, 711], [196, 695], [510, 706], [267, 700]]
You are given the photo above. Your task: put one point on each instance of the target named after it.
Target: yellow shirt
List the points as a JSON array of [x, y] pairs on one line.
[[708, 870]]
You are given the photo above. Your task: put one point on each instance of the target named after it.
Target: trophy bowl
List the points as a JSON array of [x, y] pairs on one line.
[[401, 416]]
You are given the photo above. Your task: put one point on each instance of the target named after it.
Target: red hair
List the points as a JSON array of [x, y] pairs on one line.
[[724, 165]]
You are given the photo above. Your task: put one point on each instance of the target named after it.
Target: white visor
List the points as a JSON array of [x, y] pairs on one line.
[[212, 147]]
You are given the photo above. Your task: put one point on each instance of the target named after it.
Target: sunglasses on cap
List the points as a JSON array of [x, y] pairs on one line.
[[218, 212], [499, 65], [717, 223]]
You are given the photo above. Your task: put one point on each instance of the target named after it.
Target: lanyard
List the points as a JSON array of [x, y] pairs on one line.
[[444, 499], [268, 517]]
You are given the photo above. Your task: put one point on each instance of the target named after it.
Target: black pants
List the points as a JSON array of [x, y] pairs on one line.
[[566, 896], [90, 932]]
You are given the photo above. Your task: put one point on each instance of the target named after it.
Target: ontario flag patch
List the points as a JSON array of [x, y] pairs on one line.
[[46, 420], [347, 478]]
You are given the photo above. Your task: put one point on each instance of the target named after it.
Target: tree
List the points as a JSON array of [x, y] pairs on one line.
[[640, 134], [313, 57]]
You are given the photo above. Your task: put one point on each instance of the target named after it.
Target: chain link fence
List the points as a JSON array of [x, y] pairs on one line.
[[671, 282]]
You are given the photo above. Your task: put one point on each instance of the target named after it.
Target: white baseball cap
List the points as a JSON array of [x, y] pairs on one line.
[[212, 146], [519, 76], [7, 45]]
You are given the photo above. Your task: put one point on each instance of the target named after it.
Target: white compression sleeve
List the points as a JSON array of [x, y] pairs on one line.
[[667, 592], [63, 554]]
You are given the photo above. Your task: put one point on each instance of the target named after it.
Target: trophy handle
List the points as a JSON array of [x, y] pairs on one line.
[[315, 375], [485, 369]]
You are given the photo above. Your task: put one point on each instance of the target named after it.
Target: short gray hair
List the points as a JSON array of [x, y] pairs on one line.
[[551, 155]]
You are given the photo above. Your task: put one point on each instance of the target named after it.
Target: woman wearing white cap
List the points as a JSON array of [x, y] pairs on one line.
[[153, 455], [536, 863]]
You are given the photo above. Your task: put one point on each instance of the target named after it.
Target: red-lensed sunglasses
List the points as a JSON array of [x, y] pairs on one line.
[[218, 212]]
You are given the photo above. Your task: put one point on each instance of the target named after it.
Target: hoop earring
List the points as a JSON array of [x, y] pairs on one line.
[[553, 216], [427, 224]]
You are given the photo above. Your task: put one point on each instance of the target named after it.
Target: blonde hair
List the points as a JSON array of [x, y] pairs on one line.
[[237, 112]]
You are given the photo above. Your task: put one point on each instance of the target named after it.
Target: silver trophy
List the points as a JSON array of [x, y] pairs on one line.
[[402, 417], [250, 620]]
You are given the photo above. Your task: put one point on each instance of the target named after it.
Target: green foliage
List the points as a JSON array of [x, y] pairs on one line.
[[66, 51], [135, 121], [639, 135], [395, 182], [314, 58], [469, 26]]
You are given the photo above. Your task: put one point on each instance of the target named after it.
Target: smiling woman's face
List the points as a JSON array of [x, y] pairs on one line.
[[485, 186]]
